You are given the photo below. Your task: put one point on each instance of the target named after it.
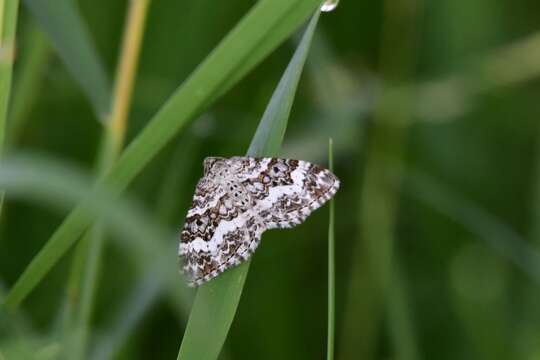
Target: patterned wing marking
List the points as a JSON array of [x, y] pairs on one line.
[[289, 202], [219, 231], [233, 242], [237, 200]]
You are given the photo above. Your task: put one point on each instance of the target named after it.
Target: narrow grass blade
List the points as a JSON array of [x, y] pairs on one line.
[[87, 260], [497, 235], [51, 182], [147, 245], [130, 313], [68, 34], [331, 268], [374, 288], [281, 30], [143, 241], [188, 101], [32, 63], [8, 21], [151, 286], [216, 302], [173, 198]]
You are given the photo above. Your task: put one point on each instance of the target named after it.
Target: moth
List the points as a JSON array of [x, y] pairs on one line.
[[239, 198]]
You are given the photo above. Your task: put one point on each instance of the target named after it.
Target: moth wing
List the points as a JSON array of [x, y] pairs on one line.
[[220, 231], [233, 240], [227, 218], [288, 191]]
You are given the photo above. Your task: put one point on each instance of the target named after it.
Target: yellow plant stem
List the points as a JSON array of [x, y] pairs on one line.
[[83, 280], [127, 67]]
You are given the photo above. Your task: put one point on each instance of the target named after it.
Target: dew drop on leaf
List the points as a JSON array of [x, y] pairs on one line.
[[329, 5]]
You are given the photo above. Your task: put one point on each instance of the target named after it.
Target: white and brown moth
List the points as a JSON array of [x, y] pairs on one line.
[[239, 198]]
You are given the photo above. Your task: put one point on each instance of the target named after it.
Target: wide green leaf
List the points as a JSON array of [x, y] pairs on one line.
[[230, 56], [216, 302]]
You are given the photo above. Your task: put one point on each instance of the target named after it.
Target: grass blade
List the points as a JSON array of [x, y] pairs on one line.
[[331, 268], [32, 62], [375, 283], [150, 287], [8, 21], [189, 100], [281, 30], [50, 182], [68, 34], [132, 309], [500, 237], [216, 302], [87, 260]]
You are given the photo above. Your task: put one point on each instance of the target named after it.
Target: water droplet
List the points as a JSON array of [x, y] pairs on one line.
[[329, 5]]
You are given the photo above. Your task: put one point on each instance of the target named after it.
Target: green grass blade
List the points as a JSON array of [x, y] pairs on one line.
[[61, 21], [87, 260], [150, 286], [282, 29], [216, 302], [142, 239], [188, 101], [497, 235], [173, 198], [331, 268], [51, 182], [32, 62], [230, 57], [133, 308], [375, 283], [8, 21]]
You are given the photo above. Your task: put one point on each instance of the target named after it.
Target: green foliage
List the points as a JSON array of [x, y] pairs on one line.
[[330, 341], [8, 21], [184, 104], [76, 49], [216, 302], [432, 247]]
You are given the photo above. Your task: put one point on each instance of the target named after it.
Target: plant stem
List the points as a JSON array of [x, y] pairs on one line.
[[127, 68], [87, 260], [8, 21], [331, 268]]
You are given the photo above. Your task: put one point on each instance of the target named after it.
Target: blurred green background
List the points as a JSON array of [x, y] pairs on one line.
[[433, 109]]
